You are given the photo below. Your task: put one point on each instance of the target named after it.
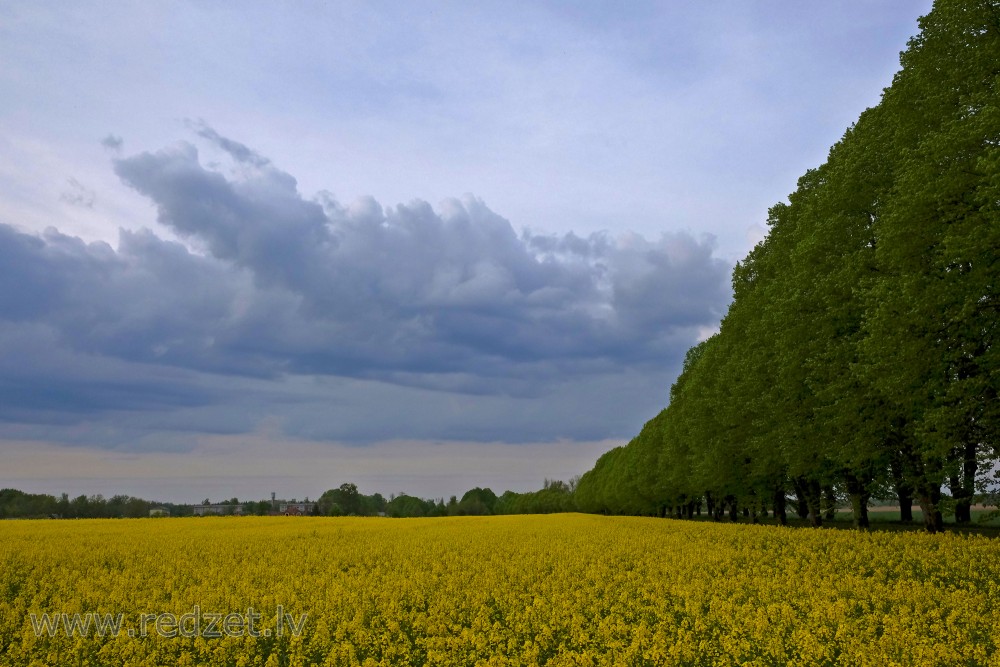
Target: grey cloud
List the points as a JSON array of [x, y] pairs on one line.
[[405, 310], [239, 152], [42, 381], [411, 289], [259, 222], [150, 301], [113, 143]]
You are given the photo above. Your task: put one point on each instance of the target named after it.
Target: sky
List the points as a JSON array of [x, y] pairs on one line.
[[420, 247]]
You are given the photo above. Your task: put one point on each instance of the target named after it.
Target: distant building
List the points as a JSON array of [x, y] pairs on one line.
[[294, 508], [159, 511], [202, 510]]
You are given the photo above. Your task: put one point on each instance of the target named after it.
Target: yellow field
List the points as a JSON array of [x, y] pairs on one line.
[[526, 590]]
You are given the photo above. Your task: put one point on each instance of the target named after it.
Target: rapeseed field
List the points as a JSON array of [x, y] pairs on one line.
[[517, 590]]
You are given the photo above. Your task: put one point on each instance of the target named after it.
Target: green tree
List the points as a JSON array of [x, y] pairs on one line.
[[933, 312], [344, 500]]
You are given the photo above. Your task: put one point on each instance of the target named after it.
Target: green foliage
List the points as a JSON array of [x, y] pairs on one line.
[[15, 504], [346, 500], [555, 496], [476, 502], [403, 506]]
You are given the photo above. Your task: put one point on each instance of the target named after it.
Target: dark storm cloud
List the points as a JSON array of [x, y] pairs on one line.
[[431, 302], [43, 381], [411, 289], [149, 301]]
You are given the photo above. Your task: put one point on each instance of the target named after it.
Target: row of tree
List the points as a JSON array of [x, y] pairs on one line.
[[555, 496], [858, 354], [18, 504], [345, 500]]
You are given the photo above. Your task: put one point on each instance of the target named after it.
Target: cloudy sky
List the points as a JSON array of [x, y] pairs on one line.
[[422, 247]]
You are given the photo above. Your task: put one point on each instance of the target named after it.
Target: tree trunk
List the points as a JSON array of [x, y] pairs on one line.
[[813, 501], [970, 466], [905, 508], [859, 504], [963, 509], [927, 486], [904, 490], [779, 506], [801, 498], [930, 505], [829, 503], [963, 512], [963, 489], [858, 492]]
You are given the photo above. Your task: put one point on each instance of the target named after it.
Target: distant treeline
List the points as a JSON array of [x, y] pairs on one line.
[[345, 500], [15, 504], [554, 497], [857, 358]]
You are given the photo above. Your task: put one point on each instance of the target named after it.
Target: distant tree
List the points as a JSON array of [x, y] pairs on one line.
[[344, 500], [477, 501], [18, 504], [405, 506], [256, 507], [136, 508], [372, 505]]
